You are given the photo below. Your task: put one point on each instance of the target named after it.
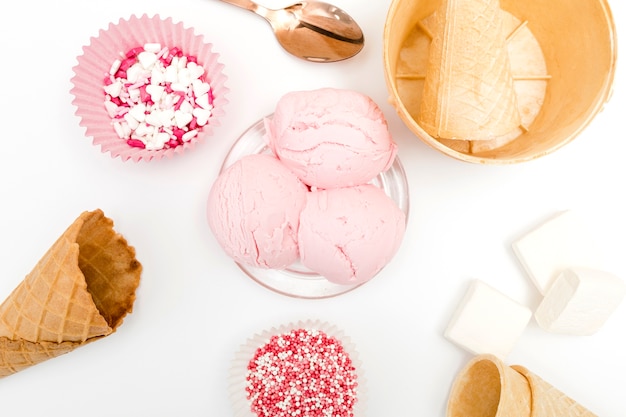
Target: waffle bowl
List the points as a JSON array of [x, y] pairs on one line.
[[562, 58]]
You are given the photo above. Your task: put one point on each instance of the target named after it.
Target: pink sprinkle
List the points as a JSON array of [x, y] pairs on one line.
[[176, 51], [192, 59], [178, 133], [144, 95], [136, 143], [173, 143], [302, 373], [181, 98], [132, 53], [127, 63]]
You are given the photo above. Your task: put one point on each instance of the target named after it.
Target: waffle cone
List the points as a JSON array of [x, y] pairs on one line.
[[487, 387], [468, 90], [78, 292], [548, 401]]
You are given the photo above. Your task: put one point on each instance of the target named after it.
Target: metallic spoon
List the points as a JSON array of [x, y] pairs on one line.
[[311, 30]]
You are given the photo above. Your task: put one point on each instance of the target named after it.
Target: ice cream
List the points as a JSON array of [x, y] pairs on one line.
[[254, 209], [349, 234], [330, 138]]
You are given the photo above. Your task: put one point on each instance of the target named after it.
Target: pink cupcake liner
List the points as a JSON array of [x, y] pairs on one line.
[[241, 405], [97, 58]]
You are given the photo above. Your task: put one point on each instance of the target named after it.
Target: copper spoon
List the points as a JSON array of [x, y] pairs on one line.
[[312, 30]]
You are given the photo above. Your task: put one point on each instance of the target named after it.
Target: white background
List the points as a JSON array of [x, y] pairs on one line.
[[194, 306]]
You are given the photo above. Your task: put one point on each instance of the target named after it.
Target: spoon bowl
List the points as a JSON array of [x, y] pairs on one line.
[[315, 31]]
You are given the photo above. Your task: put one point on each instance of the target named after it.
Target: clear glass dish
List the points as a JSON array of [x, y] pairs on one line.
[[296, 280]]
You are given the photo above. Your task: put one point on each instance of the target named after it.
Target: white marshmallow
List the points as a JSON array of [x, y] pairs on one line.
[[563, 241], [487, 321], [580, 301]]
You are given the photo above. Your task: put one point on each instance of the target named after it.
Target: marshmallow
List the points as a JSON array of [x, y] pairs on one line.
[[487, 321], [559, 243], [580, 301]]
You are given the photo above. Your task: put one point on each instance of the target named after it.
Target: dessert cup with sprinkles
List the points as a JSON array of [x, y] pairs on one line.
[[148, 88], [307, 368]]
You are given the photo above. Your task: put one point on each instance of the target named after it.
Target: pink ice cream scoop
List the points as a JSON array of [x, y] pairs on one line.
[[330, 138], [349, 234], [254, 209]]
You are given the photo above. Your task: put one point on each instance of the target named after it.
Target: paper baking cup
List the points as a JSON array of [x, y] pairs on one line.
[[239, 366], [97, 58]]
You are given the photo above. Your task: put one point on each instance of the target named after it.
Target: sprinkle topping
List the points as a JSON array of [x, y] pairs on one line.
[[157, 97], [303, 373]]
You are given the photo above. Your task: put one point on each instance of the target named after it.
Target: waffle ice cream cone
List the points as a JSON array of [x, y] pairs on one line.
[[78, 292], [468, 91], [486, 387], [548, 401]]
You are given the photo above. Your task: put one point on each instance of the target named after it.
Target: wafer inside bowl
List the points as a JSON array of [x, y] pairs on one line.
[[562, 57]]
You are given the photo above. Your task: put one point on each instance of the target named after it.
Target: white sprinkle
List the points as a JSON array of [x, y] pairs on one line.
[[203, 101], [118, 129], [147, 59], [171, 74], [157, 76], [186, 107], [181, 62], [138, 112], [133, 123], [114, 89], [195, 70], [135, 95], [200, 88], [111, 108], [184, 77], [157, 141], [152, 47], [134, 73], [115, 66], [156, 92], [167, 117], [179, 86], [154, 118], [202, 115], [144, 130], [187, 136], [182, 118]]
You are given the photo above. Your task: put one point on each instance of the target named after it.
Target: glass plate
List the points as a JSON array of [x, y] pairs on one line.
[[296, 280]]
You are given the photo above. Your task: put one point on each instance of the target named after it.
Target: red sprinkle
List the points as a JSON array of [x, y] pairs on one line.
[[302, 373]]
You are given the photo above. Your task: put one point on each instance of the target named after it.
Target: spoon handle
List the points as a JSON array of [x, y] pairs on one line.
[[246, 4]]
